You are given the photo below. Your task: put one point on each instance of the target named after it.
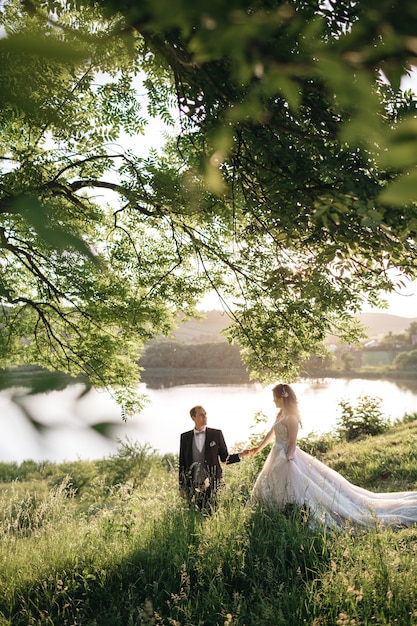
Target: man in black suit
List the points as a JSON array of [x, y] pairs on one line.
[[201, 450]]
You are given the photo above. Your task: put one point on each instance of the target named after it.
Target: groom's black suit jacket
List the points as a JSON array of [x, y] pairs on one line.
[[215, 450]]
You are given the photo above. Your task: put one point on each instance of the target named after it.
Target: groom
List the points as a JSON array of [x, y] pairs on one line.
[[201, 450]]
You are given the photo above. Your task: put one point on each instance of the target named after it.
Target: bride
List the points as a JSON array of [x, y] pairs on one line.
[[290, 475]]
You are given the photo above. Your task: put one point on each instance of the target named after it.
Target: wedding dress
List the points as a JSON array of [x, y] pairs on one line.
[[331, 499]]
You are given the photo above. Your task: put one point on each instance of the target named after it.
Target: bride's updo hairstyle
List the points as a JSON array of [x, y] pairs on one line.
[[290, 402]]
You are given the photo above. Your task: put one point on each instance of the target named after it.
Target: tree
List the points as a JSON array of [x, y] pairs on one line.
[[393, 341], [412, 333], [406, 361], [290, 187], [83, 285], [285, 110], [348, 360]]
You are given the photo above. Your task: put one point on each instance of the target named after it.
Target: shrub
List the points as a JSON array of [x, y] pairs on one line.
[[363, 420], [8, 471], [406, 361], [79, 475], [130, 465], [316, 444], [27, 470]]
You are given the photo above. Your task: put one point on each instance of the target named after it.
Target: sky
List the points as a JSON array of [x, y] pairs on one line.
[[403, 304]]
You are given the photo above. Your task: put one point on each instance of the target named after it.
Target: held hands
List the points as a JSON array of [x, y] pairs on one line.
[[247, 453]]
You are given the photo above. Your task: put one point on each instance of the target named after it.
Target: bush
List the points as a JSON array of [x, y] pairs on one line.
[[8, 472], [27, 470], [406, 361], [79, 475], [363, 420], [315, 444], [129, 466]]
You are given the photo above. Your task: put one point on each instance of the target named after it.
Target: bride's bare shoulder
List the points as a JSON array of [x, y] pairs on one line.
[[289, 418]]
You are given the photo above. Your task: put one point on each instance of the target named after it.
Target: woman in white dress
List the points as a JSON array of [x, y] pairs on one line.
[[290, 475]]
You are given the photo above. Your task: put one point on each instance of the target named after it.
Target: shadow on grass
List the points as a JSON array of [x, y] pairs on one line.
[[284, 554], [237, 567]]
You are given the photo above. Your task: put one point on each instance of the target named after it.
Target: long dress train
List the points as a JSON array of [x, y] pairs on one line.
[[331, 499]]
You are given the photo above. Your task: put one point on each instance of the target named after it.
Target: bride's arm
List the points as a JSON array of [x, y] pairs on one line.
[[292, 427], [268, 438]]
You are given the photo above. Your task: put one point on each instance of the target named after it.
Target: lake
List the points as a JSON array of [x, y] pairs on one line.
[[229, 407]]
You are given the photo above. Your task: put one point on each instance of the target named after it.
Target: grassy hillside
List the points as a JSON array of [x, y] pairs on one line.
[[125, 556]]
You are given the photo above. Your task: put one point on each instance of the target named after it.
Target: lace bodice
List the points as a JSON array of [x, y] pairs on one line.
[[281, 434]]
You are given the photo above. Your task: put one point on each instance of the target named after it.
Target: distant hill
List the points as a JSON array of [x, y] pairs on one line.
[[208, 329], [380, 324]]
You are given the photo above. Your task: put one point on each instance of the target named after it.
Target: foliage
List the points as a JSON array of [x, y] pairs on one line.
[[77, 475], [409, 417], [366, 418], [176, 355], [26, 470], [125, 469], [128, 466], [81, 290], [268, 97], [348, 360], [318, 444], [406, 361], [289, 188]]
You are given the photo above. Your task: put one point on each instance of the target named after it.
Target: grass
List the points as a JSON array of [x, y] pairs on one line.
[[122, 557]]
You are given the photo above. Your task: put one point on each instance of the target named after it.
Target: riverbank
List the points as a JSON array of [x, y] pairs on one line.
[[157, 378], [386, 374]]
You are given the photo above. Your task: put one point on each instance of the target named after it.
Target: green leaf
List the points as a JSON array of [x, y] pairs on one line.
[[105, 429], [33, 45], [402, 191], [36, 214]]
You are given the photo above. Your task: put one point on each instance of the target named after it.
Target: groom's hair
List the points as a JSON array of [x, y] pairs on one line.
[[193, 411]]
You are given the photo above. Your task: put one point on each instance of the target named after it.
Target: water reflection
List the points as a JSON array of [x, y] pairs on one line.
[[194, 377], [409, 384]]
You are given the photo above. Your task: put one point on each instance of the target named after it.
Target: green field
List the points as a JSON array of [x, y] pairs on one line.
[[376, 359], [112, 544]]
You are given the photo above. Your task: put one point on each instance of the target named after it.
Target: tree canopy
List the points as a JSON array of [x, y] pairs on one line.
[[288, 186]]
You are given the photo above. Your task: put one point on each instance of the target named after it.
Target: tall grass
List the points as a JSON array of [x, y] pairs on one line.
[[114, 556]]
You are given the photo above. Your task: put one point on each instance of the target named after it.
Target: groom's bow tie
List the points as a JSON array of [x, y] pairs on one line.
[[199, 432]]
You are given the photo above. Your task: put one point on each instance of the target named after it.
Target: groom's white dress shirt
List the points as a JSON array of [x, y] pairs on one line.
[[200, 438]]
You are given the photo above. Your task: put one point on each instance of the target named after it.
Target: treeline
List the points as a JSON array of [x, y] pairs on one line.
[[393, 355], [204, 355], [169, 363]]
